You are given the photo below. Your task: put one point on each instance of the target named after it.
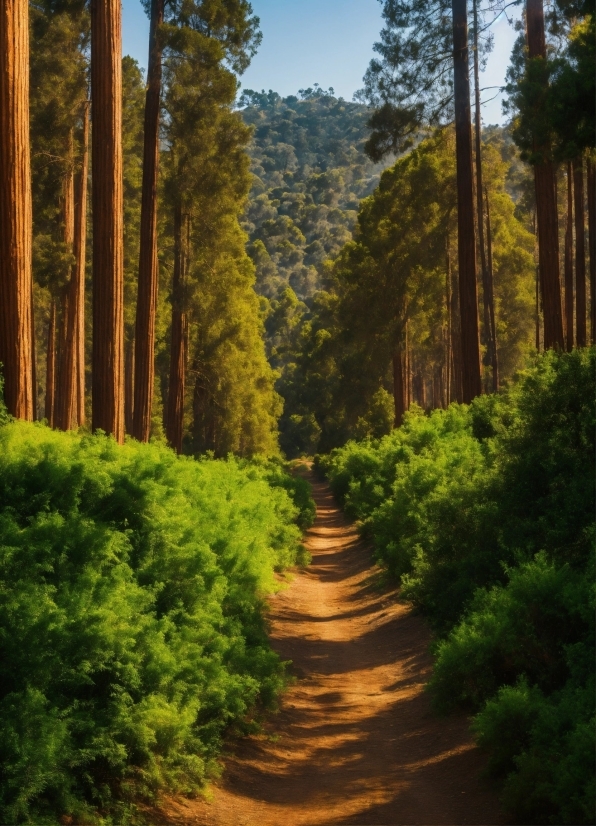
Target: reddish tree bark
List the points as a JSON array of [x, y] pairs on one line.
[[568, 264], [546, 202], [470, 343], [177, 385], [148, 266], [78, 285], [64, 402], [580, 253], [592, 244], [129, 386], [16, 318], [108, 296], [51, 365]]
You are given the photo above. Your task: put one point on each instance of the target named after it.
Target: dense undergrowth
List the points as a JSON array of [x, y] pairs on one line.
[[131, 616], [486, 514]]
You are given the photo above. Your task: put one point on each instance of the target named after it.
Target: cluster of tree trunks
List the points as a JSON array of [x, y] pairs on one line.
[[113, 379]]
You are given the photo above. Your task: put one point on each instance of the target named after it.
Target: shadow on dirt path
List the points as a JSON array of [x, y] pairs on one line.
[[355, 741]]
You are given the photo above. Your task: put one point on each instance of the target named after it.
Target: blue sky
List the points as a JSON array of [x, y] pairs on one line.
[[318, 41]]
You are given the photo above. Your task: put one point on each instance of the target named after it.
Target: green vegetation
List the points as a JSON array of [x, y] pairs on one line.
[[131, 614], [310, 172], [485, 513], [393, 289]]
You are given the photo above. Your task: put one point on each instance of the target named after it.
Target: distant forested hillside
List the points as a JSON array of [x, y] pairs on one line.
[[307, 156]]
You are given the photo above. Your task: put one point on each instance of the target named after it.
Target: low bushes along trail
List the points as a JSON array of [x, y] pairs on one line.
[[355, 741]]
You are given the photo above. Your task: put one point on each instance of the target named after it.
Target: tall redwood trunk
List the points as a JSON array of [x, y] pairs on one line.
[[490, 295], [51, 365], [148, 268], [486, 286], [71, 401], [399, 388], [470, 343], [129, 386], [568, 264], [546, 202], [65, 386], [580, 252], [108, 318], [177, 385], [78, 284], [16, 315], [592, 244]]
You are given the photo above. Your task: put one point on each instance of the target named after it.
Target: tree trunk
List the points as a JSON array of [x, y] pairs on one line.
[[470, 344], [129, 387], [177, 386], [148, 267], [456, 350], [546, 202], [580, 252], [448, 369], [592, 244], [64, 404], [108, 318], [51, 365], [486, 287], [399, 395], [16, 317], [78, 285], [568, 268], [33, 358], [490, 295]]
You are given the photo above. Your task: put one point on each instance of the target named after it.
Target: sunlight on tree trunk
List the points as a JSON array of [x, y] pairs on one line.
[[108, 319], [148, 264], [16, 320], [470, 344]]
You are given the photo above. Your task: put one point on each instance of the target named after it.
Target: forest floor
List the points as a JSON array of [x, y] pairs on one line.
[[355, 740]]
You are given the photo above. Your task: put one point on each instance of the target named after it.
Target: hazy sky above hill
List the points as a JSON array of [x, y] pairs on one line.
[[319, 41]]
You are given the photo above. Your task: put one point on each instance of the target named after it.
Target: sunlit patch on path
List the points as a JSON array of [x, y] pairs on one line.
[[355, 741]]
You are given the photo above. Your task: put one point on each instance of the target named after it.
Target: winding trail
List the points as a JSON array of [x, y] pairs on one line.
[[355, 741]]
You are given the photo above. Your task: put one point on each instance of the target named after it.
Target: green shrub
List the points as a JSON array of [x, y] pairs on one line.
[[486, 514], [131, 617]]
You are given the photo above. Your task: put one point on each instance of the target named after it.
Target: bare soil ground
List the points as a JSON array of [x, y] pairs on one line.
[[355, 740]]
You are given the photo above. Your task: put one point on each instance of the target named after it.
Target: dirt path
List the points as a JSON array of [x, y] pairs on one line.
[[355, 741]]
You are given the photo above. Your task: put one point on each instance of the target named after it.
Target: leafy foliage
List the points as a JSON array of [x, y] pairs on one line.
[[486, 514], [132, 633], [396, 272], [309, 174]]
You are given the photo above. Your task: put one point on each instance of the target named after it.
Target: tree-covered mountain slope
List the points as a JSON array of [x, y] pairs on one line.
[[310, 172]]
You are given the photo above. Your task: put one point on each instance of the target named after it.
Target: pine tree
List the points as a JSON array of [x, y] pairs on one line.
[[546, 202], [108, 310], [411, 89], [465, 206], [148, 265], [58, 68], [16, 322]]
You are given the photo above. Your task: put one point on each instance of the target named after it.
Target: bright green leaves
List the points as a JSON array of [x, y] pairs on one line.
[[131, 626]]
